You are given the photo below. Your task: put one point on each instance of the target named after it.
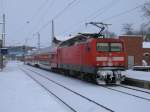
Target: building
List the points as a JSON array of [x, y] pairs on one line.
[[137, 50], [17, 52]]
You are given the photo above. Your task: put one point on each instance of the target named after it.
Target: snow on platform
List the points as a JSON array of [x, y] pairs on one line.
[[140, 75], [19, 93]]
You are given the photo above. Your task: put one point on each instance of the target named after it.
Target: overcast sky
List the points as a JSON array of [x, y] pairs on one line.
[[24, 18]]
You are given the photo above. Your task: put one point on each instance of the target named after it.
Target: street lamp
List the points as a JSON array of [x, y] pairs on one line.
[[1, 46]]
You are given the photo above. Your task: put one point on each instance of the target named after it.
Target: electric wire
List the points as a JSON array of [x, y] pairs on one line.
[[40, 8], [119, 14], [32, 18], [123, 13], [58, 14], [42, 16], [97, 12]]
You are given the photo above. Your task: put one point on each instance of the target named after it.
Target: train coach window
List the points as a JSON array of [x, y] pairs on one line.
[[102, 46], [116, 47]]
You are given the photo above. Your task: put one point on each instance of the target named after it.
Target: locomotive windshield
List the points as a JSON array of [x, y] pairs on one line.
[[109, 47]]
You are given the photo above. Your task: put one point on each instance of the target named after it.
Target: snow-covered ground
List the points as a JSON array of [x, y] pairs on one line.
[[19, 93], [114, 100], [137, 75]]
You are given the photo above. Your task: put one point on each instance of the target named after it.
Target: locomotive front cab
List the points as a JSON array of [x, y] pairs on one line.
[[109, 60]]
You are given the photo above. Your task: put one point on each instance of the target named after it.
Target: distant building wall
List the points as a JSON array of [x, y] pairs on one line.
[[134, 49], [17, 52]]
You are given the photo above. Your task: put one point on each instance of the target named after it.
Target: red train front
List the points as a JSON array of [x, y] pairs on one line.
[[89, 56], [101, 59]]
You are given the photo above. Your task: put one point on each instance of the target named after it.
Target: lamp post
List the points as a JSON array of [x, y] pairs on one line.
[[3, 42]]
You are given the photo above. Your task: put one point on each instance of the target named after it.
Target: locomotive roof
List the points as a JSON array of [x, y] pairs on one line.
[[92, 35], [83, 37], [79, 38]]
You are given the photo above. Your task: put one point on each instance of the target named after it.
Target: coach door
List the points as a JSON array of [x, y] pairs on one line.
[[130, 61]]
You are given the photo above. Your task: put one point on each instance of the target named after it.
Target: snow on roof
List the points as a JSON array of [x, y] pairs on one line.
[[146, 44]]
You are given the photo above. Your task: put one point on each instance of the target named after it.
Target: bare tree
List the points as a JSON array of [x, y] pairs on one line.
[[128, 29], [143, 29], [146, 9]]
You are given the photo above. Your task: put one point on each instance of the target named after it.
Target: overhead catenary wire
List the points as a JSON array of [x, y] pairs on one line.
[[121, 13], [42, 16], [63, 10], [39, 9], [32, 18], [58, 14], [70, 4], [107, 8], [97, 12]]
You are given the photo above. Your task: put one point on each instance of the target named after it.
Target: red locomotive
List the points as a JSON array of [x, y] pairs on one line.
[[86, 55]]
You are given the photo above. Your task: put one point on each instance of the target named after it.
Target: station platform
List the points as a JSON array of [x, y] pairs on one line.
[[137, 78]]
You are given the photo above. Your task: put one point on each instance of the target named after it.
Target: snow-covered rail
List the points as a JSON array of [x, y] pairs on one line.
[[127, 92], [117, 101], [49, 90], [28, 72], [134, 88], [123, 91]]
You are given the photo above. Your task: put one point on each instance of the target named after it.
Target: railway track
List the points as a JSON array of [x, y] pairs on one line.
[[76, 93], [113, 89], [127, 93], [49, 91], [128, 87]]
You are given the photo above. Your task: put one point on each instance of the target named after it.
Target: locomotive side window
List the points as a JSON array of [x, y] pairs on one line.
[[109, 47], [116, 47], [102, 47]]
